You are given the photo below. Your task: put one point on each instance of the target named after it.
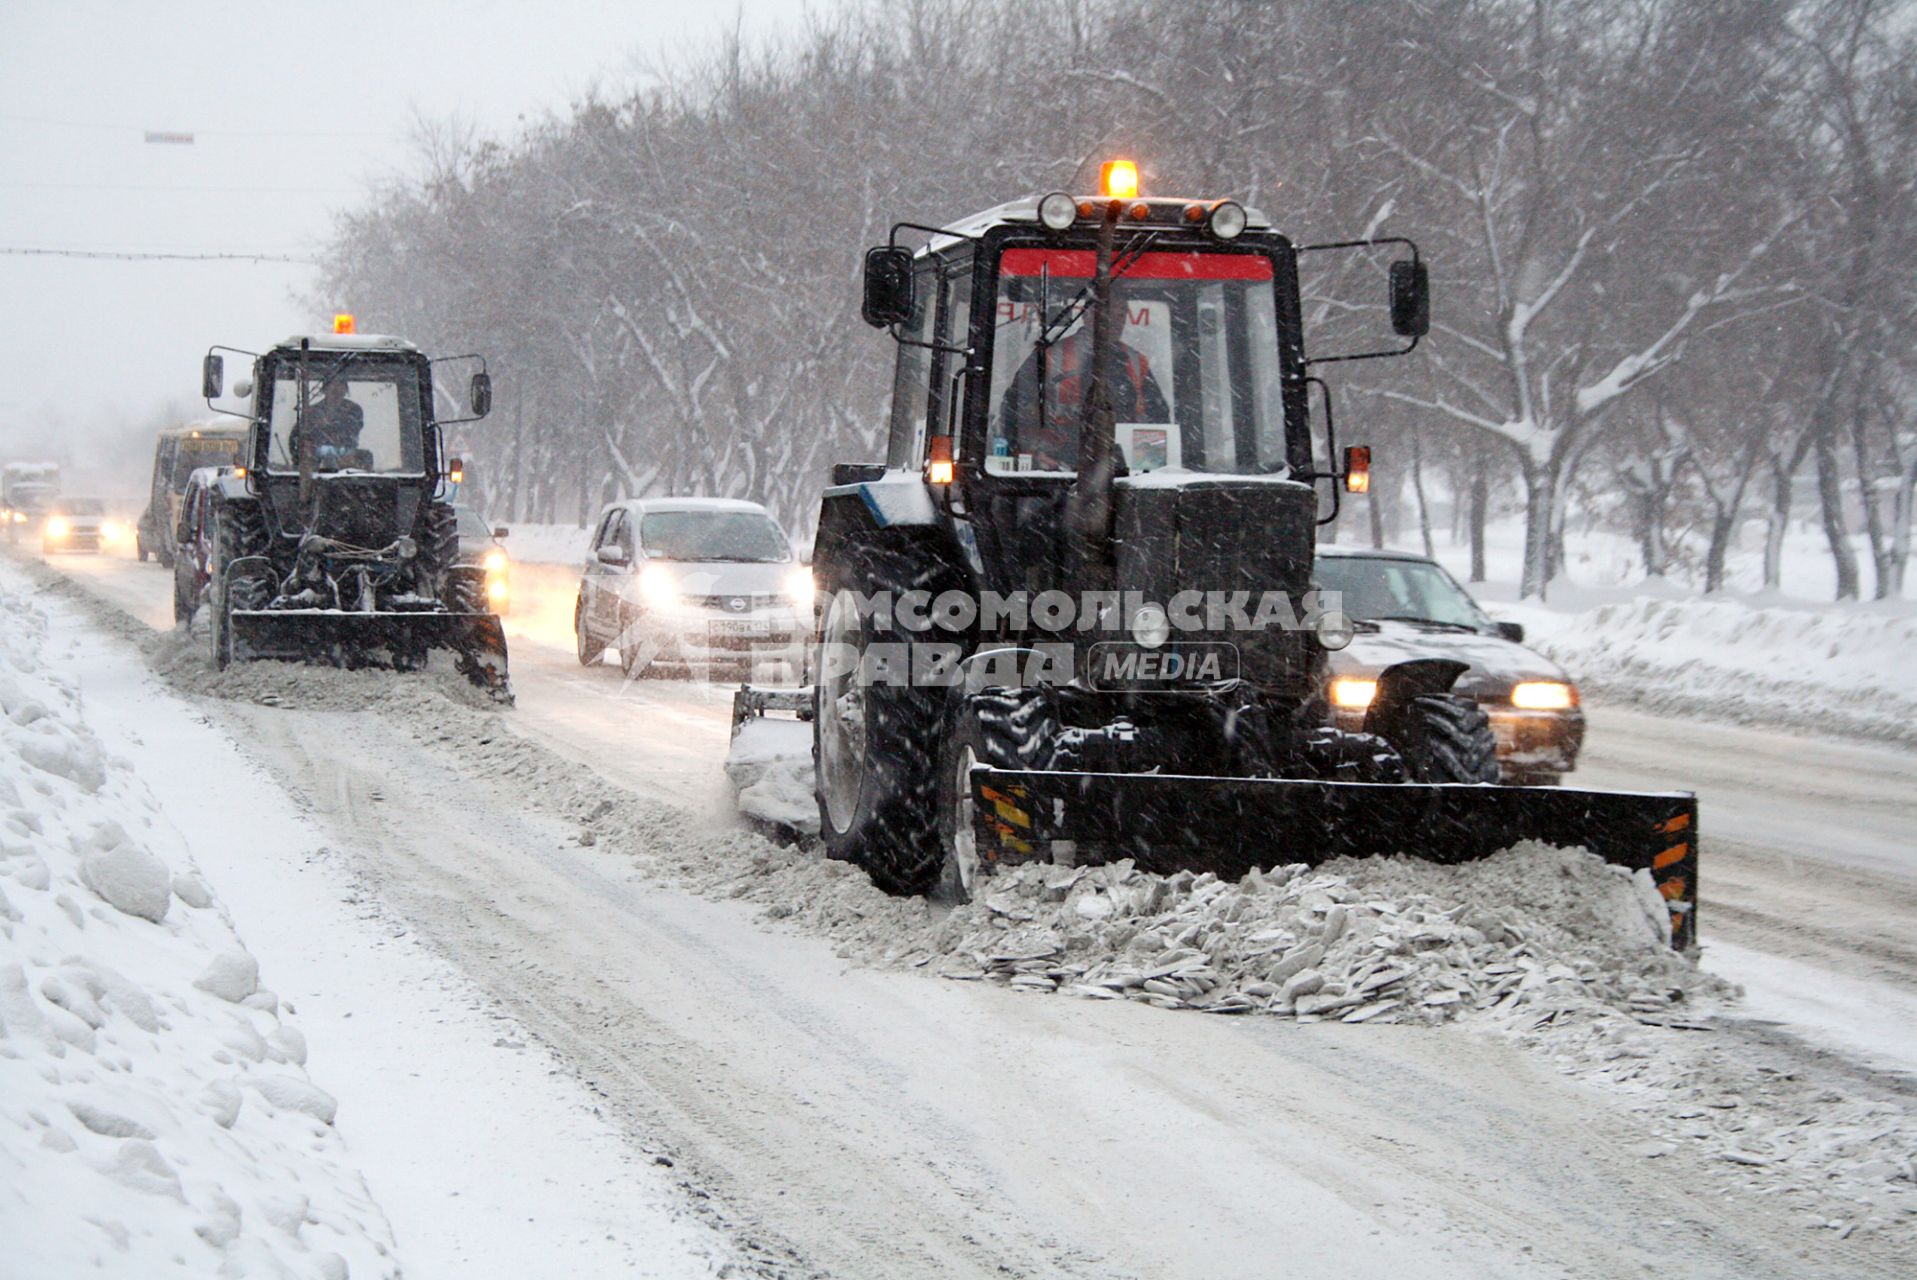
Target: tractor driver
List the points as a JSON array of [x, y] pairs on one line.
[[333, 425], [1053, 439]]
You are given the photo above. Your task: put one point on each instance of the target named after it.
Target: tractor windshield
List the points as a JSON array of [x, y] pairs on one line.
[[360, 415], [1195, 378]]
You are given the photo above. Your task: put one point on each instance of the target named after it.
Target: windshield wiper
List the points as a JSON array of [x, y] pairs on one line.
[[1426, 622], [1125, 259]]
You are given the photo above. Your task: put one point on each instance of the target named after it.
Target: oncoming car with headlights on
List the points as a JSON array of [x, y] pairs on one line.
[[701, 585], [481, 544], [1406, 606], [79, 524]]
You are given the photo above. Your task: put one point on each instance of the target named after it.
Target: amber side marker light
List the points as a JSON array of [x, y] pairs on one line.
[[938, 465], [343, 323], [1358, 469]]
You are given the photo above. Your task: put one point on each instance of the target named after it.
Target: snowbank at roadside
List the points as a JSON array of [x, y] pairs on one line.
[[155, 1112], [1841, 669]]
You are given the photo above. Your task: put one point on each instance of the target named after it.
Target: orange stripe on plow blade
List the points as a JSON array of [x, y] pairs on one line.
[[1676, 824], [1670, 856]]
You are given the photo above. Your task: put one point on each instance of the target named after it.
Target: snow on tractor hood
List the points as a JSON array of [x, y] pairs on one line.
[[1496, 663]]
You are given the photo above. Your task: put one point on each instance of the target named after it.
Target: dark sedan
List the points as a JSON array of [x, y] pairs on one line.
[[1406, 606]]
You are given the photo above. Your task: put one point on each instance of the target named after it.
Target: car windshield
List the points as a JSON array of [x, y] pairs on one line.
[[361, 415], [80, 507], [195, 451], [1196, 381], [472, 524], [1376, 588], [714, 535]]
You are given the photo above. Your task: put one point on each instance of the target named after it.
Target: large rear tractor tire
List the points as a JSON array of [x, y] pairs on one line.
[[1447, 738], [875, 742]]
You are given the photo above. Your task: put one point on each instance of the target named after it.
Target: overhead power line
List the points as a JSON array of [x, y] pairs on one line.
[[173, 186], [113, 256], [142, 131]]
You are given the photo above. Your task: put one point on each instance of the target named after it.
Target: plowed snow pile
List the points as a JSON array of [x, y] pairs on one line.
[[155, 1113], [1533, 928]]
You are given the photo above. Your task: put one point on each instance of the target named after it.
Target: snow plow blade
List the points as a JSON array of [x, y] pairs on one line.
[[377, 639], [1228, 826]]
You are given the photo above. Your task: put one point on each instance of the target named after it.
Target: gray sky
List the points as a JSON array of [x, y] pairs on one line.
[[296, 111]]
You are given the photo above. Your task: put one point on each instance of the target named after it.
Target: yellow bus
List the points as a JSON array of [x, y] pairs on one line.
[[180, 452]]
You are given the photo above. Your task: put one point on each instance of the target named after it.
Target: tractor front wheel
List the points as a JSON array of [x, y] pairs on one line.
[[999, 728], [1447, 738]]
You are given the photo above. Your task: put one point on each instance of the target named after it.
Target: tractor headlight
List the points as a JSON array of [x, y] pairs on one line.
[[1544, 695], [800, 589], [1351, 693], [1335, 630], [1227, 219], [1150, 627], [58, 528], [1058, 211], [497, 591], [494, 562], [658, 585]]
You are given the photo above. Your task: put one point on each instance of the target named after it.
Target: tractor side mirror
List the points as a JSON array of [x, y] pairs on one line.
[[481, 395], [888, 287], [213, 378], [1512, 631], [501, 532], [1410, 299]]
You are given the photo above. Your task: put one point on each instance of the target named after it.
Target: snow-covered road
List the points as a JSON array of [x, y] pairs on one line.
[[860, 1122]]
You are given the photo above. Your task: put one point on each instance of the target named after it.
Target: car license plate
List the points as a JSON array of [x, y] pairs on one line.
[[743, 629]]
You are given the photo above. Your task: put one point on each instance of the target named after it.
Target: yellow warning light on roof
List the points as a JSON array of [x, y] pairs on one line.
[[343, 323], [1119, 178]]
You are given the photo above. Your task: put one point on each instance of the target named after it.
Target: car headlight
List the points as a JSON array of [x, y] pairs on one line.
[[57, 527], [110, 531], [1544, 695], [494, 562], [658, 586], [799, 587], [1353, 693]]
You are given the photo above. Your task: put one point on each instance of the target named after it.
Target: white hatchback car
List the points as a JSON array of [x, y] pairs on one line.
[[706, 585]]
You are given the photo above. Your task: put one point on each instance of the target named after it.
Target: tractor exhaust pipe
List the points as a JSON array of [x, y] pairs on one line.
[[1088, 506]]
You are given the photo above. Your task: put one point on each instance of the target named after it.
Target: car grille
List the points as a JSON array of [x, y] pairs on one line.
[[725, 604]]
